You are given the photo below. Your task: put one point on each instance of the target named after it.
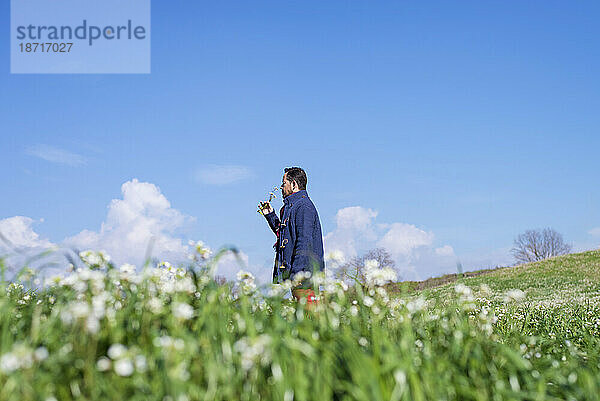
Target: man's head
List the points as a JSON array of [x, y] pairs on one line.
[[294, 180]]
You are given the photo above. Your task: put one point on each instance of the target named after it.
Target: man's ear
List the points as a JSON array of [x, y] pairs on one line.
[[295, 186]]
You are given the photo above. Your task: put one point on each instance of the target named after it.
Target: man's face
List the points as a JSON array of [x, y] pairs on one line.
[[286, 186]]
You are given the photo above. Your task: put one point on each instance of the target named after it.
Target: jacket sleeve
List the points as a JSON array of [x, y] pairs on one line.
[[273, 221], [302, 256]]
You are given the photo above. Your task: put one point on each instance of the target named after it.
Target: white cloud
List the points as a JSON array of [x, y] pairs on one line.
[[56, 155], [141, 218], [595, 232], [222, 174], [354, 225], [445, 250], [21, 246], [19, 232], [402, 239], [412, 248]]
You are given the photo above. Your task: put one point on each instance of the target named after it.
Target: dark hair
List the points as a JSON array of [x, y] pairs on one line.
[[298, 175]]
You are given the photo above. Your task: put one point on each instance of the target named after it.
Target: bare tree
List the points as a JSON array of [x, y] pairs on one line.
[[354, 269], [535, 245]]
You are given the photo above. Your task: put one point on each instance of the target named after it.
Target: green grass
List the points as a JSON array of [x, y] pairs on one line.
[[184, 337], [569, 279]]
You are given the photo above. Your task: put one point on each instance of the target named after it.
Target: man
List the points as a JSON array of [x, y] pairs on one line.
[[299, 246]]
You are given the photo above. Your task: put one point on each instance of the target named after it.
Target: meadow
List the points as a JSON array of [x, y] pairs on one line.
[[162, 332]]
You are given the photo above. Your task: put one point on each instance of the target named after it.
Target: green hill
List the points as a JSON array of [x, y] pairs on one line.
[[573, 278]]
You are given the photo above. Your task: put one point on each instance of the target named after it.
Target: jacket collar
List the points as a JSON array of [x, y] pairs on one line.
[[295, 196]]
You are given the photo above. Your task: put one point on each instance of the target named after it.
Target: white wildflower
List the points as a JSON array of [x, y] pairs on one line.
[[371, 264], [485, 289], [99, 304], [380, 277], [163, 341], [400, 377], [244, 275], [14, 287], [277, 372], [246, 282], [335, 256], [103, 364], [40, 353], [80, 309], [124, 367], [19, 357], [299, 277], [169, 343], [201, 251], [52, 281], [116, 351], [9, 363], [127, 269], [155, 305], [513, 295], [92, 325], [140, 363], [253, 350], [463, 290], [416, 305], [94, 259], [182, 311]]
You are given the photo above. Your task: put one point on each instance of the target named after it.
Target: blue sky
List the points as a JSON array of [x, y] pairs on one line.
[[458, 125]]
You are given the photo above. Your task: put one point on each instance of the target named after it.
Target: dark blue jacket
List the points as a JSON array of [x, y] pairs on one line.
[[299, 245]]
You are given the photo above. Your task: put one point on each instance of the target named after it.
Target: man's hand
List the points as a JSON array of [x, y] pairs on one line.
[[265, 207]]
